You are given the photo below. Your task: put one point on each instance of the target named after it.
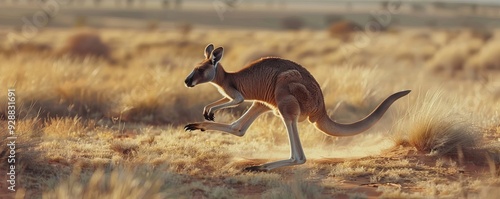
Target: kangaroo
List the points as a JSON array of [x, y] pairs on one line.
[[273, 84]]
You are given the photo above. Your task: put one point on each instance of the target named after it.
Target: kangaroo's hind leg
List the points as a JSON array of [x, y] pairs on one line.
[[290, 110]]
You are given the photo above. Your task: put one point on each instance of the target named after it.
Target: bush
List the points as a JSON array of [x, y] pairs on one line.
[[86, 44], [342, 29]]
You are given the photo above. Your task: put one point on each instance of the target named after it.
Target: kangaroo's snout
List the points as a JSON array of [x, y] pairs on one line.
[[188, 82]]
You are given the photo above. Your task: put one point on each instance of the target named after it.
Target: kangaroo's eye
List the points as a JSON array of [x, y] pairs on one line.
[[199, 70]]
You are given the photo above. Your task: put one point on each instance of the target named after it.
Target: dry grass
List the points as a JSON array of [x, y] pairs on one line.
[[28, 137], [451, 58], [117, 183], [486, 58], [92, 129], [470, 54], [433, 126]]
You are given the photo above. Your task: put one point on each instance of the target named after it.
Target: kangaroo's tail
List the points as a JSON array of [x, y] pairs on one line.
[[330, 127]]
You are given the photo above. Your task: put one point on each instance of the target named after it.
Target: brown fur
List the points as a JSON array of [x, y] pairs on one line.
[[263, 79]]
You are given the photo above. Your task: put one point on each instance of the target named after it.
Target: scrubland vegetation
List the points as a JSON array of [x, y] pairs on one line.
[[101, 115]]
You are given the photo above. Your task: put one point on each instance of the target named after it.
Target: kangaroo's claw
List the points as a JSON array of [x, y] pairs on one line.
[[191, 127]]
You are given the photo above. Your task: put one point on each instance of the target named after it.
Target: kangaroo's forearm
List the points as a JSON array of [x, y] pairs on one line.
[[218, 102], [233, 102]]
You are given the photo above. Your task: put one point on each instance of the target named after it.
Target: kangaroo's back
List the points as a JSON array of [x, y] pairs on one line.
[[265, 78]]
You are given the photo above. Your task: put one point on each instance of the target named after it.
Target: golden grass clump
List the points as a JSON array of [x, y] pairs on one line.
[[65, 127], [487, 58], [86, 44], [433, 126], [451, 59], [82, 98], [25, 143], [117, 183]]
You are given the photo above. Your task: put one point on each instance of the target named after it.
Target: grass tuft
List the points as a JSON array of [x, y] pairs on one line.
[[432, 126], [487, 58], [83, 99], [117, 183], [65, 127]]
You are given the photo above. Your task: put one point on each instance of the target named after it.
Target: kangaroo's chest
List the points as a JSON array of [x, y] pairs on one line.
[[222, 91]]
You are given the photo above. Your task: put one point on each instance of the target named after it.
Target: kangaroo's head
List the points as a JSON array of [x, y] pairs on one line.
[[205, 71]]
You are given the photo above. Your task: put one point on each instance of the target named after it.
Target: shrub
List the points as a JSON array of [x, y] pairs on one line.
[[86, 44], [342, 29]]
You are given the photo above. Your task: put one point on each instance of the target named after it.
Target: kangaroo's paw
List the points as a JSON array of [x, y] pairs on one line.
[[209, 116], [194, 126]]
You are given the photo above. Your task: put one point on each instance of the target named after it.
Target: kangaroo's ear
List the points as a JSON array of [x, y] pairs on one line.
[[208, 50], [217, 55]]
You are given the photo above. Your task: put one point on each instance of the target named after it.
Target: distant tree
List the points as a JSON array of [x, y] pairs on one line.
[[130, 3], [97, 2]]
